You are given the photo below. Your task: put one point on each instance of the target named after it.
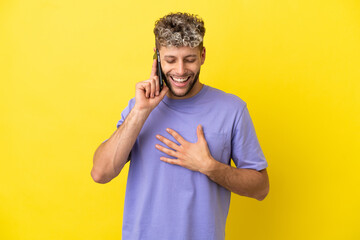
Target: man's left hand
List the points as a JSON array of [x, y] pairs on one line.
[[193, 156]]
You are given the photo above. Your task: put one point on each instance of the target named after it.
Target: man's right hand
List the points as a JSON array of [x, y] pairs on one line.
[[147, 94]]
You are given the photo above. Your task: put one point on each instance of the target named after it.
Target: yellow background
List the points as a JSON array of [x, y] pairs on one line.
[[68, 68]]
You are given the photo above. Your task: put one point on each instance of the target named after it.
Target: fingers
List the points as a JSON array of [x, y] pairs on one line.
[[166, 150], [149, 87], [154, 74], [153, 86], [163, 92], [157, 86], [176, 136], [168, 143], [146, 86], [200, 133], [153, 69], [145, 94], [171, 161]]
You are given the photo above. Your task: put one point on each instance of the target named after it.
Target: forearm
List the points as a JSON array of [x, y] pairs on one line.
[[112, 155], [245, 182]]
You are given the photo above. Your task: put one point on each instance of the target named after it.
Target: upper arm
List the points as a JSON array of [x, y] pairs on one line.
[[246, 151]]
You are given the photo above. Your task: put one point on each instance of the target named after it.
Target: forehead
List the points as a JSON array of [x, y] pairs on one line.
[[179, 52]]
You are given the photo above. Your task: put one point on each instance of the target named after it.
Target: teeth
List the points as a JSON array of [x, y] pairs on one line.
[[179, 79]]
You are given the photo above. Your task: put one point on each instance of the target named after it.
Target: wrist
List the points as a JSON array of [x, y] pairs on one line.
[[210, 166], [141, 111]]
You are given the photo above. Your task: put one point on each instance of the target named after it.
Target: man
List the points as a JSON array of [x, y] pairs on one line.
[[180, 141]]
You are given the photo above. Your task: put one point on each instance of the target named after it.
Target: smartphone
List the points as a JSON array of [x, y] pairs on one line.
[[159, 71]]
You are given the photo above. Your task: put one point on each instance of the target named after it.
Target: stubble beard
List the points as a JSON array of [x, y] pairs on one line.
[[192, 84]]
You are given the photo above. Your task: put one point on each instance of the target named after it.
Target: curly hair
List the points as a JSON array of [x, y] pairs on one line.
[[179, 29]]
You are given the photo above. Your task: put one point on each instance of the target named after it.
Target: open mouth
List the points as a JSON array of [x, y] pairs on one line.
[[180, 82]]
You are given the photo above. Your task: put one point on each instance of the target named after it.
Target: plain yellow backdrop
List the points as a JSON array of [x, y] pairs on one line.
[[68, 68]]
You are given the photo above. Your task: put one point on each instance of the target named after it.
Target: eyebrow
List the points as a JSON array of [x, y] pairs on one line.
[[187, 56]]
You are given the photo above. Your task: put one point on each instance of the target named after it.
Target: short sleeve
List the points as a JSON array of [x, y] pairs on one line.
[[246, 151], [126, 112]]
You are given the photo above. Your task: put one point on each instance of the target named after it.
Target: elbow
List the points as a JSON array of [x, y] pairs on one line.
[[98, 177], [264, 189], [102, 170], [262, 194], [261, 197]]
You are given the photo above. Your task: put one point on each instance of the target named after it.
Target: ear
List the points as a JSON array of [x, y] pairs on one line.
[[154, 49], [203, 55]]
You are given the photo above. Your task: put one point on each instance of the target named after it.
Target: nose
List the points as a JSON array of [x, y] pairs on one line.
[[180, 68]]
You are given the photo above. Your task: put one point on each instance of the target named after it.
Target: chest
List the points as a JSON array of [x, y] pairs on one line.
[[217, 126]]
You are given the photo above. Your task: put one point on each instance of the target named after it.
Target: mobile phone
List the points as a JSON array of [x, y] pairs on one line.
[[159, 71]]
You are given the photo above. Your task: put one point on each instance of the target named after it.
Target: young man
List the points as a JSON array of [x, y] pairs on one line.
[[180, 141]]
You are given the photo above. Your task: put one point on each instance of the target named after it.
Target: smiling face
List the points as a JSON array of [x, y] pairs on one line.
[[181, 66]]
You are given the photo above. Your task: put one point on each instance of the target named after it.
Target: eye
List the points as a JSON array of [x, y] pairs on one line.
[[190, 60], [171, 61]]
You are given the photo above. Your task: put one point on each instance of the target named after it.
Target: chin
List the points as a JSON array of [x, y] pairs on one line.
[[178, 91]]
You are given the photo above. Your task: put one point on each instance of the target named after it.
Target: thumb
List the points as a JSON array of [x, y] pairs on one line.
[[200, 133], [163, 92]]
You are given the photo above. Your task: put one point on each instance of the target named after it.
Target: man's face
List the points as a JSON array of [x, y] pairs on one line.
[[181, 66]]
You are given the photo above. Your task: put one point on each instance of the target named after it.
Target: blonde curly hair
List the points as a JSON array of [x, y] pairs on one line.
[[179, 29]]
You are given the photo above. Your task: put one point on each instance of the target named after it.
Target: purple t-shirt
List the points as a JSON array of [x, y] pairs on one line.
[[165, 201]]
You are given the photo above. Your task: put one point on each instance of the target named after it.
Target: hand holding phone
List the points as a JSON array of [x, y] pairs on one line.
[[148, 93]]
